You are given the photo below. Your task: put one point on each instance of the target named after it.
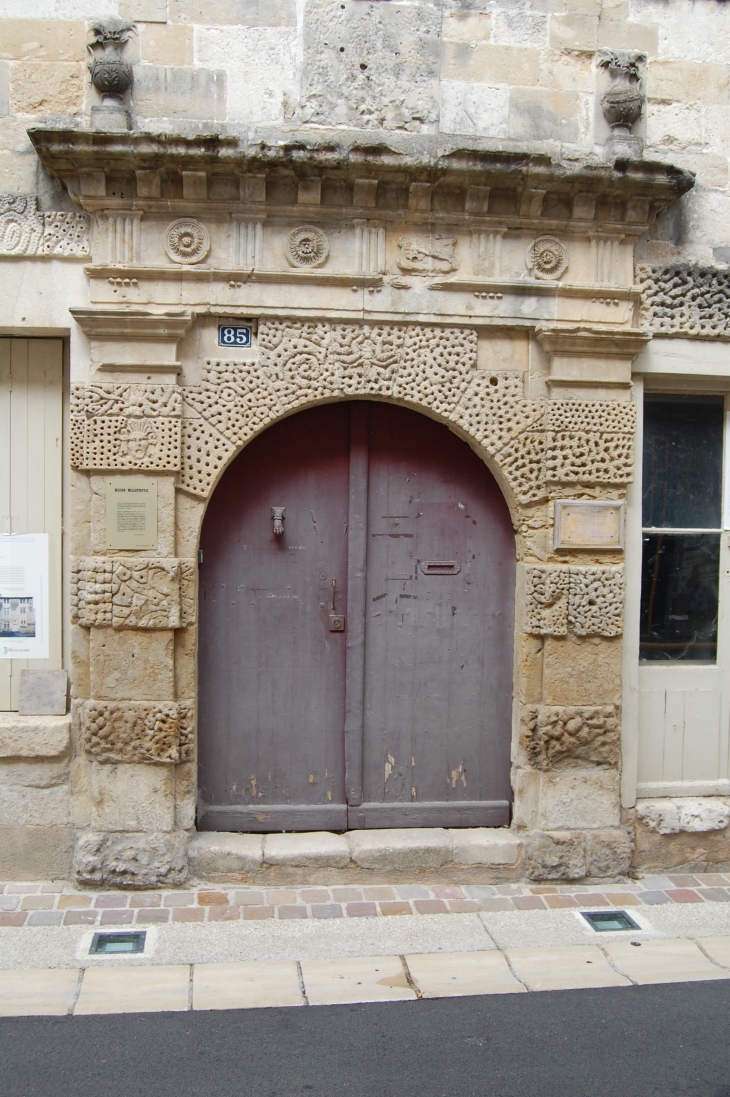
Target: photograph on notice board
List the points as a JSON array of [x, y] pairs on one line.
[[24, 596]]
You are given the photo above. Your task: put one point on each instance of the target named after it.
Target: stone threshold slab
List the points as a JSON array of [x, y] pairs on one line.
[[406, 977]]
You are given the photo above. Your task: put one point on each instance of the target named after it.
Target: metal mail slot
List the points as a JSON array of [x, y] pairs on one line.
[[440, 567]]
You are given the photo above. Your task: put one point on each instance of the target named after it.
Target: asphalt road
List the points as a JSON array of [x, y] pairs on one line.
[[625, 1042]]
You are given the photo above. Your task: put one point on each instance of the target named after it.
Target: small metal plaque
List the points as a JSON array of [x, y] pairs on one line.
[[337, 622], [589, 524], [440, 567], [235, 335], [131, 513]]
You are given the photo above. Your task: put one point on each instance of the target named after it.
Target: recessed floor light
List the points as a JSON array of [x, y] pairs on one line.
[[609, 921], [108, 944]]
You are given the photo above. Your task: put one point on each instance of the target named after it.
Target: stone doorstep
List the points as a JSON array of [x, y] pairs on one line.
[[34, 736], [288, 858]]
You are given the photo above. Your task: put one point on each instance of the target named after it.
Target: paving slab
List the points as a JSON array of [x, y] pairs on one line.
[[37, 993], [572, 968], [358, 979], [717, 948], [452, 975], [134, 990], [246, 986], [668, 961]]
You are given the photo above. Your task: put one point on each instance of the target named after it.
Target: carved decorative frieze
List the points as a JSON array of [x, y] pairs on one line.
[[431, 255], [547, 257], [552, 734], [25, 231], [581, 601], [125, 426], [187, 241], [307, 246], [139, 731], [132, 592], [681, 299]]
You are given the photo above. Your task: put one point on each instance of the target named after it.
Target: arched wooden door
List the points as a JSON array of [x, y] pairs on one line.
[[356, 669]]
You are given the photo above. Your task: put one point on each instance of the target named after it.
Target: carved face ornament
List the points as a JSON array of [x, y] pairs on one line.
[[137, 437]]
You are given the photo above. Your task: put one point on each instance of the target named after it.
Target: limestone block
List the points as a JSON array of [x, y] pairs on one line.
[[34, 736], [117, 426], [687, 81], [80, 513], [143, 11], [210, 854], [674, 126], [43, 39], [186, 662], [248, 13], [567, 71], [140, 731], [582, 601], [36, 852], [577, 670], [43, 693], [132, 664], [48, 773], [553, 734], [473, 109], [372, 67], [609, 852], [47, 87], [133, 797], [131, 860], [319, 849], [623, 35], [520, 28], [186, 792], [34, 807], [529, 669], [189, 518], [79, 667], [4, 89], [574, 31], [418, 847], [466, 26], [684, 814], [559, 855], [166, 44], [132, 592], [485, 846], [566, 799], [536, 114], [486, 63], [162, 91]]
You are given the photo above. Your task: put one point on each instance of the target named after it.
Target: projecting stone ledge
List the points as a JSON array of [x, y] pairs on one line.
[[357, 853], [33, 736]]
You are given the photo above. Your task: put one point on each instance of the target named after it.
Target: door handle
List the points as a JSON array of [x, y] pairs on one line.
[[278, 514]]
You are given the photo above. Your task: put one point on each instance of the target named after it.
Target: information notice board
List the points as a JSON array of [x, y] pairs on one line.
[[131, 513], [24, 620]]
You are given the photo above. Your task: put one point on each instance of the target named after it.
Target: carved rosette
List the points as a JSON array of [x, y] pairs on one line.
[[187, 241], [547, 258], [307, 246]]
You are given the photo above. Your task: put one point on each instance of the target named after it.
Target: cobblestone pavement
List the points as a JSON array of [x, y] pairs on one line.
[[52, 904]]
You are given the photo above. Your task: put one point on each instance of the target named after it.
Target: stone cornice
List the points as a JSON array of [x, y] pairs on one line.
[[138, 323], [425, 178]]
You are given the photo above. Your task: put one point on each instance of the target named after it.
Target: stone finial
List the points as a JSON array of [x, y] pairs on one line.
[[623, 101], [111, 75]]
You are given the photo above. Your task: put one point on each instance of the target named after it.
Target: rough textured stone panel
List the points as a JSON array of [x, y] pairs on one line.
[[131, 860], [372, 66], [609, 852], [204, 453], [546, 601], [556, 855], [494, 410], [522, 462], [138, 731], [132, 592], [615, 416], [25, 231], [126, 426], [234, 398], [683, 299], [684, 814], [583, 601], [552, 734], [589, 457]]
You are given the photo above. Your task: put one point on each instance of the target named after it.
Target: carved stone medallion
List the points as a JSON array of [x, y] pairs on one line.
[[435, 255], [547, 257], [187, 241], [307, 246]]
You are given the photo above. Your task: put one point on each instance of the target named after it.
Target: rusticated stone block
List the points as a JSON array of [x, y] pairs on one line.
[[556, 855], [582, 601], [591, 734], [141, 731], [131, 860], [132, 592], [609, 852], [682, 299], [684, 814]]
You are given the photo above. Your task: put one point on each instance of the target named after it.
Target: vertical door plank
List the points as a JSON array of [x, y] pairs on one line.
[[356, 582], [701, 757], [5, 381], [673, 735], [18, 471], [652, 705]]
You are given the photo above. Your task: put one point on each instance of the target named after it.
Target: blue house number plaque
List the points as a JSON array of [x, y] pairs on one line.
[[230, 335]]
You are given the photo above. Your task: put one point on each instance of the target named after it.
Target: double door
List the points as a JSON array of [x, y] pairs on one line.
[[356, 629]]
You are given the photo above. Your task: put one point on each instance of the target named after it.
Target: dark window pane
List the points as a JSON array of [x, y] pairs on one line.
[[679, 584], [683, 461]]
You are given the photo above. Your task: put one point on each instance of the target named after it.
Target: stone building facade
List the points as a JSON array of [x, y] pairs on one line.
[[511, 218]]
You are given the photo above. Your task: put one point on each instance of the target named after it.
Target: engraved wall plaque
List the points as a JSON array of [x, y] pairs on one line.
[[589, 524], [131, 513]]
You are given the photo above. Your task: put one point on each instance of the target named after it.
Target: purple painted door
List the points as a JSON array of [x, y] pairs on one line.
[[402, 718]]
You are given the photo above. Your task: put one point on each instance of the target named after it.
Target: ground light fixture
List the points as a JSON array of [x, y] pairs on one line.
[[109, 944], [609, 921]]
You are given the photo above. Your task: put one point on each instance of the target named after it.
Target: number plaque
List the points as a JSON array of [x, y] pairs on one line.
[[235, 335]]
